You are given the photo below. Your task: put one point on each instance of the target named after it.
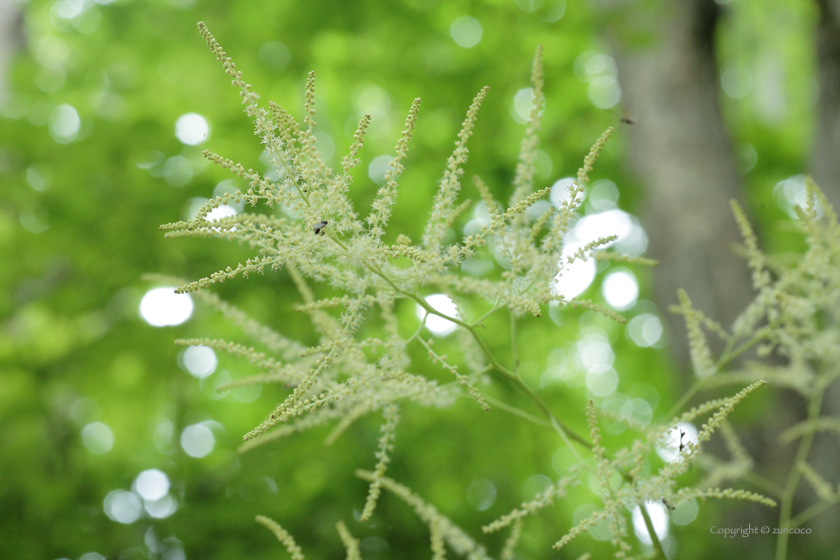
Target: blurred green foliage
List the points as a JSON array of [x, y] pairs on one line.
[[78, 227]]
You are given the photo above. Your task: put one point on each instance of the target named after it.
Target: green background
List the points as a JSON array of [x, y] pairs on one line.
[[74, 350]]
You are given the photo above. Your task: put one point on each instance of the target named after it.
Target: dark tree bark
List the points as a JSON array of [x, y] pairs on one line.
[[825, 163], [825, 167], [682, 154]]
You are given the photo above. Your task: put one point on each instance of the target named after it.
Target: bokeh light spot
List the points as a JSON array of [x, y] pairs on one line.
[[68, 9], [791, 193], [466, 31], [595, 353], [560, 192], [378, 168], [556, 11], [481, 494], [522, 103], [537, 209], [178, 171], [632, 240], [162, 307], [590, 65], [636, 411], [65, 124], [575, 277], [533, 485], [600, 531], [685, 512], [37, 177], [529, 5], [659, 518], [602, 384], [669, 450], [438, 325], [221, 212], [191, 129], [163, 436], [197, 440], [736, 82], [33, 222], [123, 506], [325, 144], [620, 289], [152, 484], [603, 196], [645, 330], [247, 394], [200, 361], [97, 438], [370, 100], [161, 508], [604, 92]]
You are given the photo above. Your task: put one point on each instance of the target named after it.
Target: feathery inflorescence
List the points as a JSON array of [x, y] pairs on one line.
[[336, 379], [348, 373]]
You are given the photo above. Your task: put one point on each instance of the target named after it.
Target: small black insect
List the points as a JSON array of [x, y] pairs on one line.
[[318, 228], [623, 117], [682, 446], [667, 505]]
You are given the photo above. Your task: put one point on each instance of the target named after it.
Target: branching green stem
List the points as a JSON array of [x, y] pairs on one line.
[[810, 513], [785, 521], [657, 546], [515, 357], [565, 433], [763, 483], [729, 353], [518, 412]]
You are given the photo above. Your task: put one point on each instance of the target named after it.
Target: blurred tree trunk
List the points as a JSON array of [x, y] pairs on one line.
[[11, 38], [825, 163], [680, 150], [825, 167]]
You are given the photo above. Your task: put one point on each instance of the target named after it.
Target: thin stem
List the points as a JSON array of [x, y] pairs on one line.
[[497, 307], [727, 349], [515, 358], [810, 513], [727, 356], [651, 531], [518, 412], [565, 433], [418, 331], [485, 315], [452, 384], [795, 474], [686, 397], [764, 483], [420, 301]]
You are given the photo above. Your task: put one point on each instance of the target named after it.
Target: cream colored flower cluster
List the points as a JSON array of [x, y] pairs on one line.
[[315, 235]]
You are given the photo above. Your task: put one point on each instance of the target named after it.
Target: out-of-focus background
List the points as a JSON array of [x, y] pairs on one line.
[[113, 443]]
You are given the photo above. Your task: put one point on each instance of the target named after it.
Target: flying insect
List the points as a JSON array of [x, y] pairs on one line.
[[319, 227]]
